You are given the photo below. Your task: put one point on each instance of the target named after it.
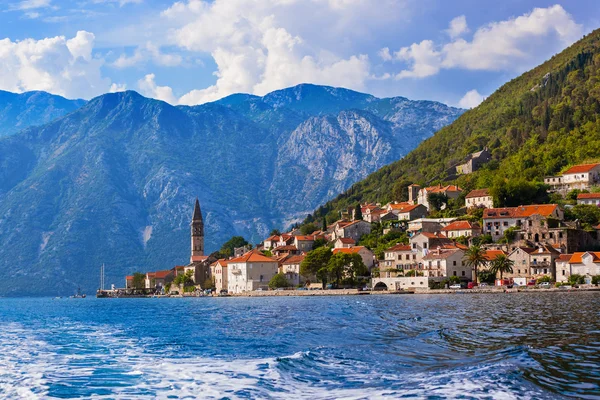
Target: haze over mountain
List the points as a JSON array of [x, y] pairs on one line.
[[19, 111], [114, 181]]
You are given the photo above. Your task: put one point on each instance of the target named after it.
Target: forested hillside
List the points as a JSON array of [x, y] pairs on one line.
[[535, 125]]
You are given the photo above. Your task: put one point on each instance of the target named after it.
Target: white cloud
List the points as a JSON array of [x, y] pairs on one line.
[[425, 60], [149, 88], [514, 44], [121, 2], [30, 4], [252, 44], [146, 53], [117, 87], [471, 99], [457, 27], [57, 65], [384, 54]]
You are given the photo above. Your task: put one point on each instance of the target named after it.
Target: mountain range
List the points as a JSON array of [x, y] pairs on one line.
[[112, 181]]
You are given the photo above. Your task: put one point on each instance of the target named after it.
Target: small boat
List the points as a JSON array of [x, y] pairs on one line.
[[78, 295]]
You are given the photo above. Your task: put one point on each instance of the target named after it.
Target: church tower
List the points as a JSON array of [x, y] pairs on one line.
[[197, 231]]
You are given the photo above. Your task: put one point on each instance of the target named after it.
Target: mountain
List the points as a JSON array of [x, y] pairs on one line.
[[19, 111], [113, 182], [535, 125]]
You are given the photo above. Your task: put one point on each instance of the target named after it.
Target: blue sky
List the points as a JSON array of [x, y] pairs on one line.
[[194, 51]]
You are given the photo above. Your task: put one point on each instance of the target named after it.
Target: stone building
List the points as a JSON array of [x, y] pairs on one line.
[[474, 162], [479, 198]]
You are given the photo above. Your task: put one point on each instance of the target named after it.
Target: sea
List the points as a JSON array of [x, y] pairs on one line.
[[466, 346]]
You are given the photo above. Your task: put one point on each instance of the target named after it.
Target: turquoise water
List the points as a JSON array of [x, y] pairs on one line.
[[531, 346]]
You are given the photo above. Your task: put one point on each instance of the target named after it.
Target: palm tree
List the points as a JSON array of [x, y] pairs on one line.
[[502, 264], [475, 257]]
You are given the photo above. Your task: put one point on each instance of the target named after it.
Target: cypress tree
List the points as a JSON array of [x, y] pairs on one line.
[[358, 213]]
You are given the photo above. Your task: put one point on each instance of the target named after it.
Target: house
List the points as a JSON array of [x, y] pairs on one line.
[[411, 212], [285, 240], [521, 258], [285, 250], [271, 242], [394, 207], [399, 257], [592, 199], [543, 262], [372, 214], [586, 264], [290, 267], [304, 243], [343, 242], [582, 176], [563, 267], [367, 255], [491, 255], [458, 229], [496, 221], [479, 198], [129, 282], [474, 161], [219, 274], [425, 241], [353, 230], [159, 279], [418, 195], [442, 263], [250, 272], [429, 224]]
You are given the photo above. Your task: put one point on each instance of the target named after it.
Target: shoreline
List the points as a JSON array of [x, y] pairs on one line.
[[354, 292]]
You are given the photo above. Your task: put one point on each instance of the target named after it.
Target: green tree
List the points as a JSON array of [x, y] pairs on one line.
[[358, 213], [231, 244], [324, 226], [315, 263], [519, 191], [572, 195], [209, 283], [185, 279], [576, 279], [308, 229], [475, 257], [319, 243], [437, 200], [278, 281], [585, 213], [274, 232], [139, 280], [502, 265]]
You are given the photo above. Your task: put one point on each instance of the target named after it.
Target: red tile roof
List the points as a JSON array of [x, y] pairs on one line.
[[459, 226], [199, 258], [545, 210], [564, 257], [588, 196], [349, 250], [580, 168], [478, 193], [129, 277], [347, 240], [442, 254], [399, 206], [433, 235], [409, 208], [273, 238], [294, 260], [443, 189], [251, 257], [400, 247], [491, 255], [162, 274], [576, 258], [305, 238]]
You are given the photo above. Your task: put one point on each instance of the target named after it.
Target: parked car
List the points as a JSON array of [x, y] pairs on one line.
[[483, 284], [302, 288], [545, 285], [456, 286]]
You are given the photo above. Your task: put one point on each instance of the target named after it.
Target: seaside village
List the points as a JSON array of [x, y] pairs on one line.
[[533, 243]]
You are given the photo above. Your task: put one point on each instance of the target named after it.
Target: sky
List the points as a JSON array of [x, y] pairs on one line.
[[191, 52]]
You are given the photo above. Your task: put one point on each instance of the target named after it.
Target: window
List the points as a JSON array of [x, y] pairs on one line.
[[424, 245], [545, 270], [454, 262], [519, 271], [454, 273], [505, 223], [414, 245], [463, 273]]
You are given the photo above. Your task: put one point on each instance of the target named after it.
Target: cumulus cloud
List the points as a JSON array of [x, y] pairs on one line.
[[57, 65], [148, 52], [513, 44], [471, 99], [120, 2], [149, 88], [30, 5], [457, 27], [255, 49]]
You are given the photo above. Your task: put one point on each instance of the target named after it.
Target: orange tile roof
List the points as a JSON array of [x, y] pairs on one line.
[[222, 262], [564, 257], [545, 210], [399, 206], [349, 250], [442, 189], [576, 258], [347, 240], [588, 196], [273, 238], [409, 208], [433, 235], [580, 168], [443, 254], [162, 274], [129, 277], [285, 248], [400, 247], [478, 193], [294, 259], [250, 257], [199, 258], [492, 254], [459, 226], [305, 238]]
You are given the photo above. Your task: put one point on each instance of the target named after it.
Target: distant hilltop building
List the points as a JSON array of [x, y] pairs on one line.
[[197, 234], [581, 177], [474, 162], [419, 195]]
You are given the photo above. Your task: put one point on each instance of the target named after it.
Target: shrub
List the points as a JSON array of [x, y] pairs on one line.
[[278, 281]]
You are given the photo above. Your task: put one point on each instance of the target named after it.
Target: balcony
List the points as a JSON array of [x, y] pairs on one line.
[[236, 271]]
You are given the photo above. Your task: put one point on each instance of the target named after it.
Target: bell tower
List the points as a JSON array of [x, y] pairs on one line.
[[197, 232]]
